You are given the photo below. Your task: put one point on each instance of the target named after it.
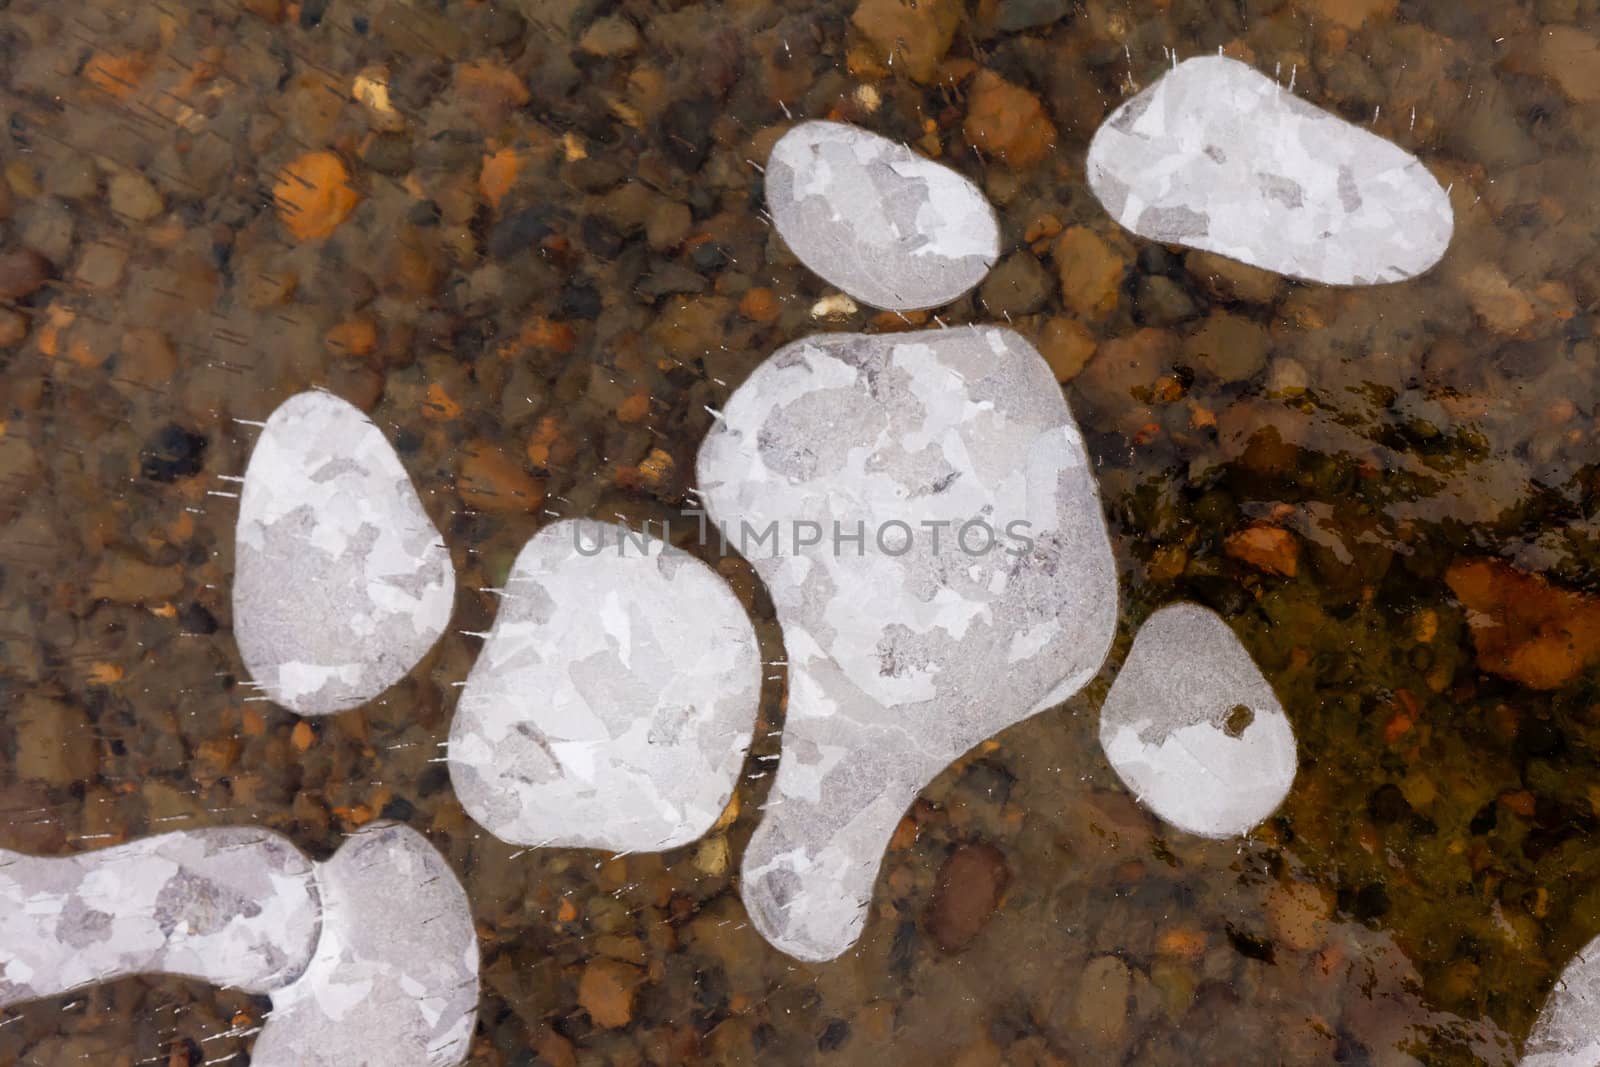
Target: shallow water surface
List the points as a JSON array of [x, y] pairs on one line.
[[529, 239]]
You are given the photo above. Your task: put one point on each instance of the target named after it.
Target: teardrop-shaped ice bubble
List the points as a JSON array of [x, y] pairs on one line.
[[1567, 1032], [889, 227], [1194, 730], [394, 981], [1219, 157], [341, 581], [924, 515], [236, 907], [613, 702]]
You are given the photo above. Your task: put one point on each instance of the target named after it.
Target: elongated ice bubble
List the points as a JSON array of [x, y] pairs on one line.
[[236, 907], [613, 702], [341, 581], [963, 575], [1194, 730], [1219, 157]]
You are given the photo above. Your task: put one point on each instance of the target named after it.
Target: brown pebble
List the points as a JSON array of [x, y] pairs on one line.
[[1067, 346], [1266, 548], [969, 888], [606, 991], [1090, 271], [13, 328], [1007, 121], [492, 480], [22, 272], [146, 357], [909, 37], [102, 266]]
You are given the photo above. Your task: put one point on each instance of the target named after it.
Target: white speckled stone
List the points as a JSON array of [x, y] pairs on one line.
[[889, 227], [394, 980], [1163, 726], [902, 656], [613, 702], [1220, 157], [235, 907], [341, 581]]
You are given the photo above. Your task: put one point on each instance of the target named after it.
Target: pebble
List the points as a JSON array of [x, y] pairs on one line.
[[102, 266], [1018, 285], [969, 887], [889, 227], [609, 37], [1101, 1010], [56, 744], [909, 37], [13, 328], [1161, 301], [1220, 157], [1090, 271], [1007, 121], [1523, 627], [1229, 280], [1267, 548], [313, 196], [129, 580], [134, 197], [493, 480], [22, 273], [606, 991], [1013, 16], [668, 225], [1194, 730], [1228, 348], [1067, 345], [1297, 915]]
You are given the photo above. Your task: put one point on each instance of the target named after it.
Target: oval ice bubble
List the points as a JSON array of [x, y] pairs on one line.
[[1220, 157], [902, 654], [237, 907], [1194, 730], [891, 228], [394, 979], [613, 701], [341, 581]]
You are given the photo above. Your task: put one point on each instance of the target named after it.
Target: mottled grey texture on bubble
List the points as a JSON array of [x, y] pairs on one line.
[[235, 907], [341, 581], [1219, 157], [1567, 1032], [889, 227], [897, 664], [1165, 726], [612, 704], [394, 979]]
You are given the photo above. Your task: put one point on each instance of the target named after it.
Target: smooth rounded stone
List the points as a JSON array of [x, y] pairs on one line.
[[394, 980], [236, 907], [1194, 730], [1567, 1032], [902, 653], [613, 702], [872, 217], [1219, 157], [341, 581]]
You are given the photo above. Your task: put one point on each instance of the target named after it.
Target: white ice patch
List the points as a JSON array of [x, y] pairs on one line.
[[902, 656], [613, 702], [870, 216], [394, 980], [1567, 1032], [1194, 730], [1219, 157], [341, 581]]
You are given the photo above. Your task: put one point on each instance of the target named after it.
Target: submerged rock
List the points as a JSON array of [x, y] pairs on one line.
[[882, 465], [612, 705], [1194, 730], [870, 216], [1524, 628], [1219, 157], [341, 582]]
